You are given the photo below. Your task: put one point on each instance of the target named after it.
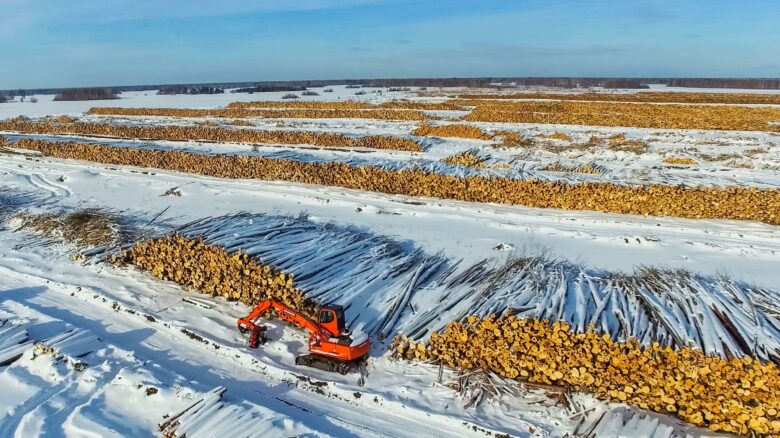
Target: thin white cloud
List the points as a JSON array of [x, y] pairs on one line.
[[27, 15], [117, 10]]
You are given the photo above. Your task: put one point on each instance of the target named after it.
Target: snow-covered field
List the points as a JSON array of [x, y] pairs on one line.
[[404, 265]]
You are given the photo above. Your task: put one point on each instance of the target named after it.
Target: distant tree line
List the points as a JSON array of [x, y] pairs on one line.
[[758, 84], [562, 82], [73, 94], [267, 89], [623, 83], [185, 89]]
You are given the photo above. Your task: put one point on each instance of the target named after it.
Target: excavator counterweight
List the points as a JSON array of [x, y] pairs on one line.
[[332, 347]]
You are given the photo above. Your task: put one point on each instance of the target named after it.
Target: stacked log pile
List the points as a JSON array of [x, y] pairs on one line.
[[679, 160], [204, 133], [658, 200], [210, 269], [639, 115], [644, 97], [352, 104], [456, 131], [280, 113], [737, 395]]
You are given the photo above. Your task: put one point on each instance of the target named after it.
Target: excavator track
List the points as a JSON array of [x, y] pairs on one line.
[[327, 364]]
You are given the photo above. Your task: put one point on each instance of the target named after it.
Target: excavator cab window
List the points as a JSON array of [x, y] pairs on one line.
[[332, 318], [326, 316]]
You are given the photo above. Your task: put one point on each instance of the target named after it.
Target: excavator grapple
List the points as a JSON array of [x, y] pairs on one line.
[[332, 347]]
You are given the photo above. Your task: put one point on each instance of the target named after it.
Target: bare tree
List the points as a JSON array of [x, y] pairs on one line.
[[86, 94]]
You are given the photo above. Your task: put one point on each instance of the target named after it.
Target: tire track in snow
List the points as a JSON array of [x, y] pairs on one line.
[[56, 192], [219, 369]]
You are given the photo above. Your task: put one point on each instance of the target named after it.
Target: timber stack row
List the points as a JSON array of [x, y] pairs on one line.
[[737, 395], [210, 269], [202, 133], [656, 200]]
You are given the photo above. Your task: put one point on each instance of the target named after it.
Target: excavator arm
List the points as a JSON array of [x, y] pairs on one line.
[[286, 313]]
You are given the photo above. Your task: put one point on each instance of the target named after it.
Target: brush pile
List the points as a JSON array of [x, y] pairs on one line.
[[619, 142], [589, 168], [86, 229], [204, 133], [658, 200], [511, 140], [628, 114], [738, 395], [558, 136], [282, 113], [456, 131], [649, 97], [210, 269]]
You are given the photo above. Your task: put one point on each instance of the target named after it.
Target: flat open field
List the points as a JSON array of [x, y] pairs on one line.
[[524, 264]]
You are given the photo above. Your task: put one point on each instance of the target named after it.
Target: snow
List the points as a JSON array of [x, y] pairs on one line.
[[46, 106], [258, 382], [403, 265], [747, 251], [266, 390]]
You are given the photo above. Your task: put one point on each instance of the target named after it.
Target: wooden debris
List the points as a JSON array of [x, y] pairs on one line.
[[86, 228], [14, 341]]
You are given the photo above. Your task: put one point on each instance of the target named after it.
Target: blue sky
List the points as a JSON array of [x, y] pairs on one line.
[[56, 43]]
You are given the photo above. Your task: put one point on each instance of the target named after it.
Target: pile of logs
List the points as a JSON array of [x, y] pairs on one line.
[[639, 115], [646, 97], [737, 395], [457, 131], [351, 104], [210, 269], [214, 134], [658, 200], [273, 113]]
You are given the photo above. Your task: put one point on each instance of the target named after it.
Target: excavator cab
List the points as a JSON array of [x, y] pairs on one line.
[[332, 319]]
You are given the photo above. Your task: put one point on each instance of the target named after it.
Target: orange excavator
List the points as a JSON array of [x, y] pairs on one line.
[[331, 346]]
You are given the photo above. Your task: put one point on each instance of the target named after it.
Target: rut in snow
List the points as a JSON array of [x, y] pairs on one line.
[[12, 200]]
